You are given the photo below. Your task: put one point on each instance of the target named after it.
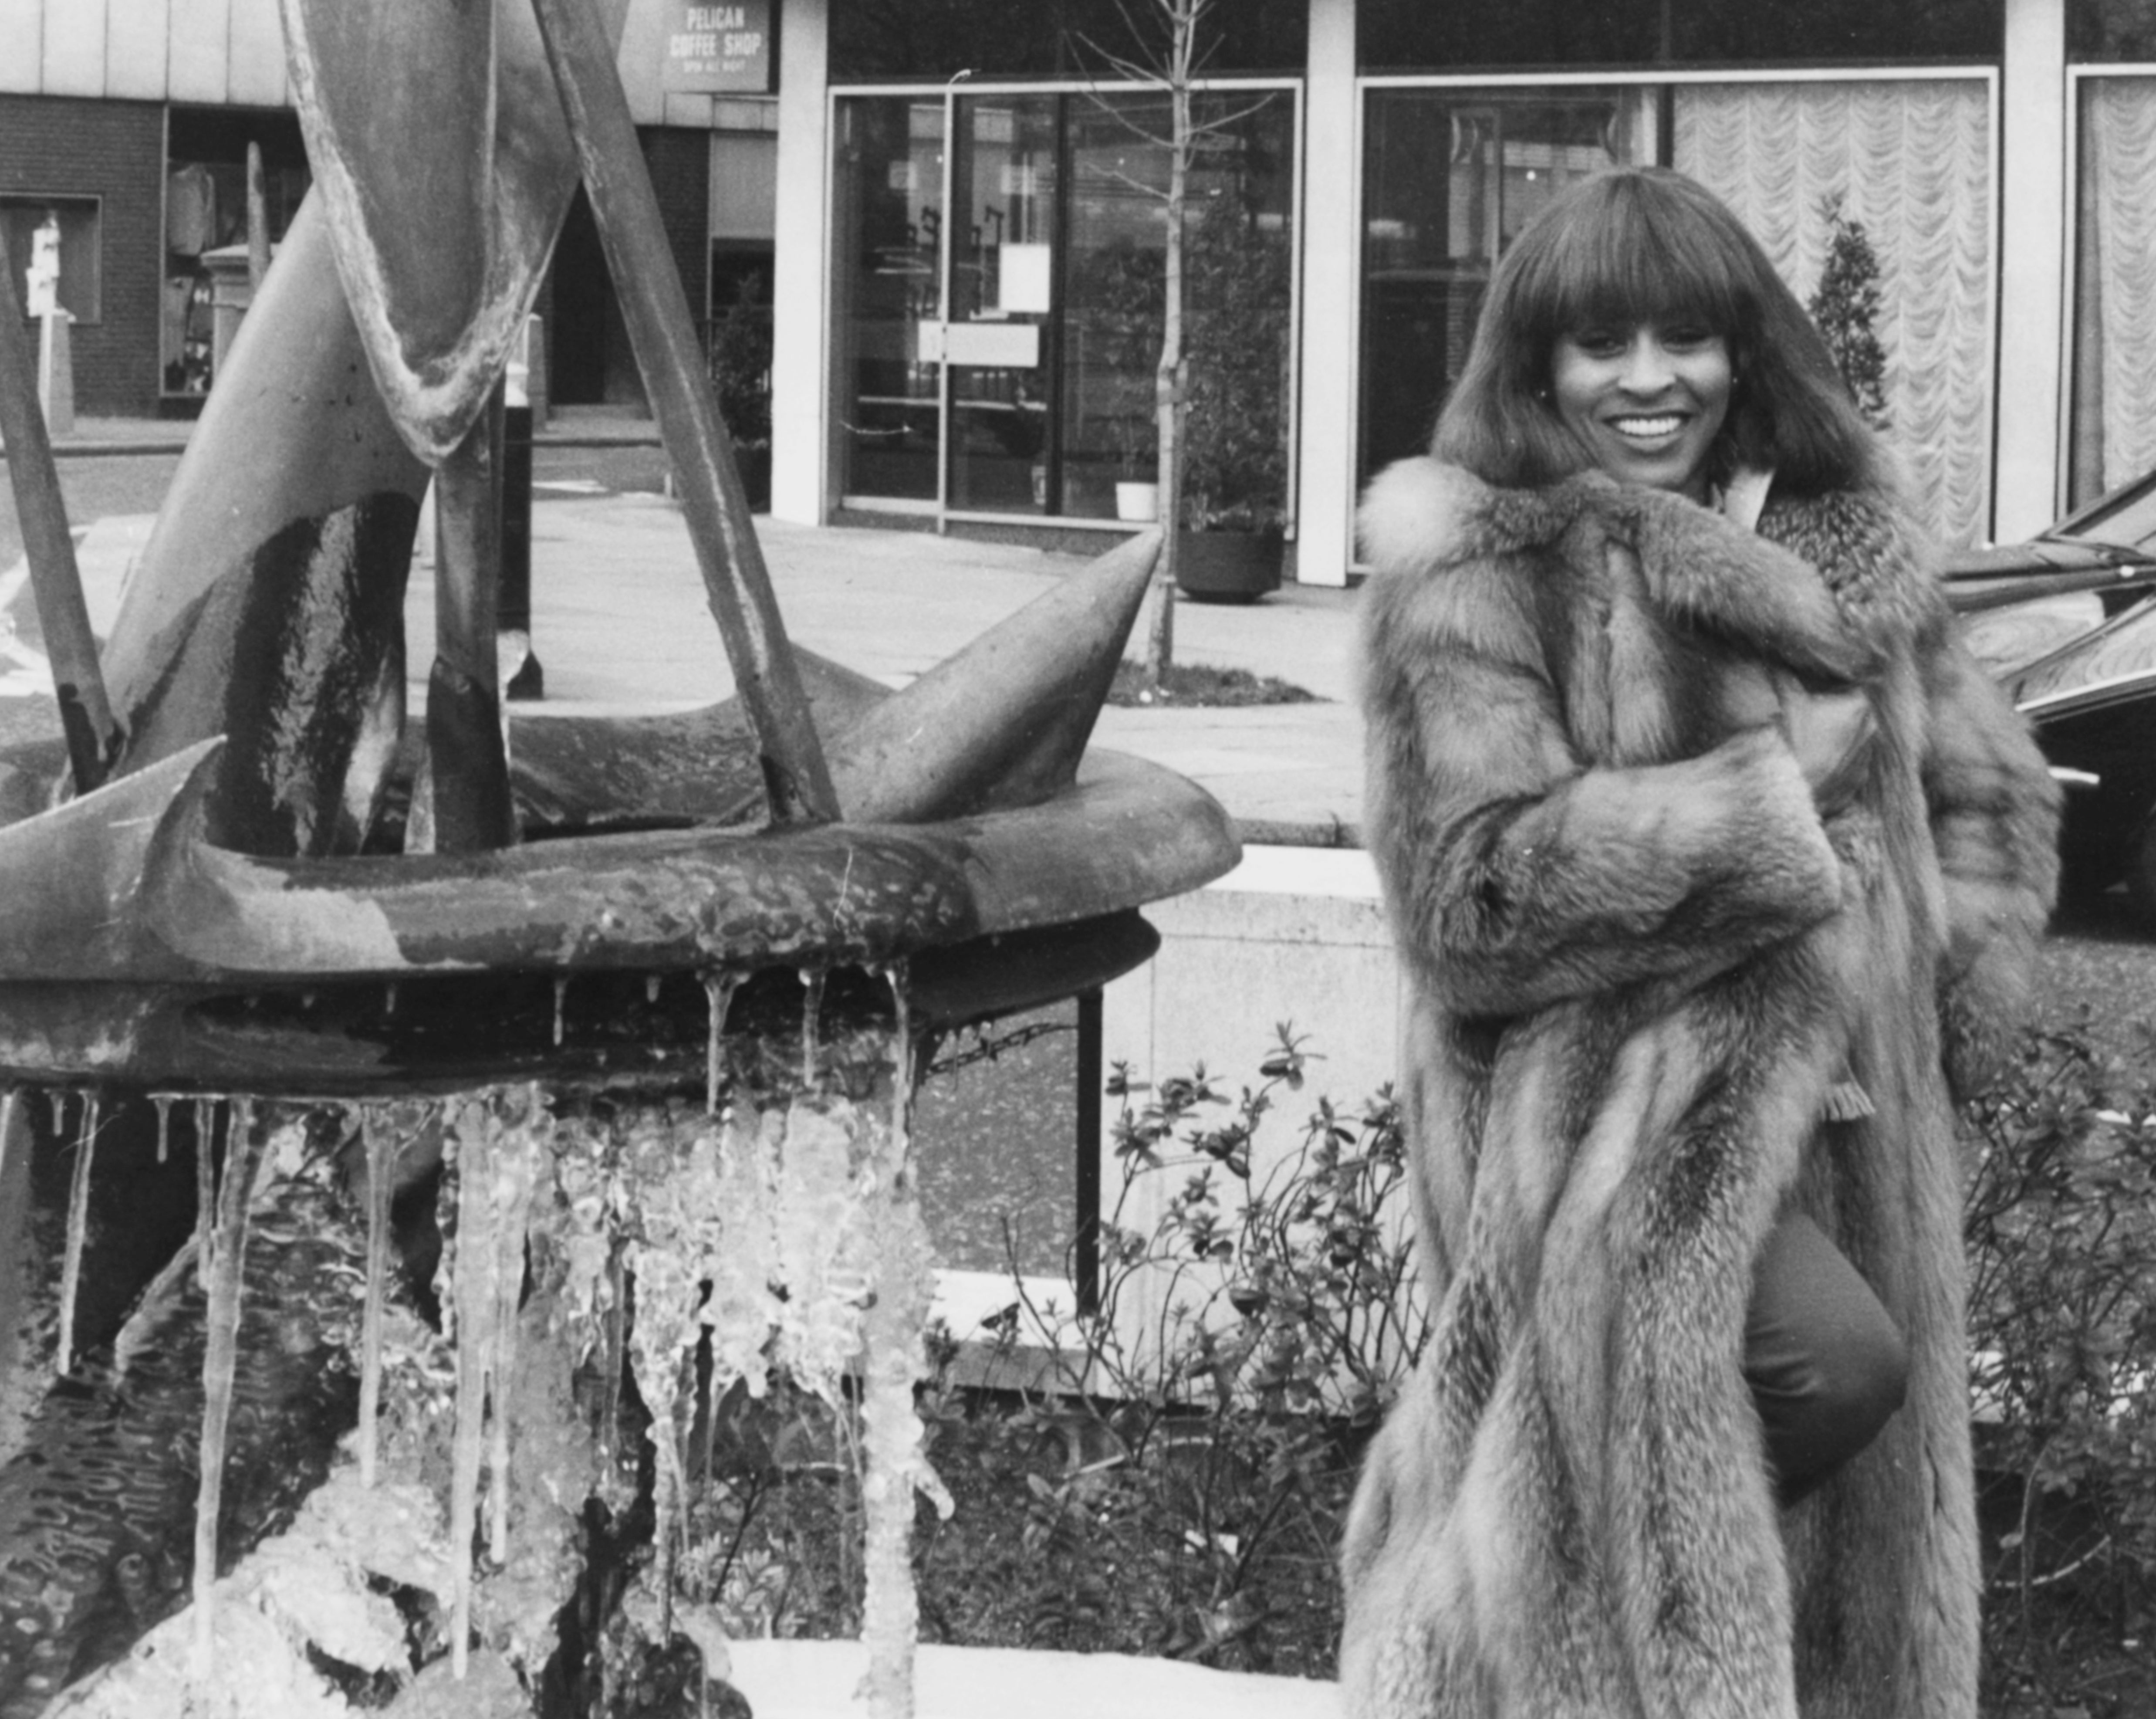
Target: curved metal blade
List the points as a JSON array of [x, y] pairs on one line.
[[122, 888], [443, 155]]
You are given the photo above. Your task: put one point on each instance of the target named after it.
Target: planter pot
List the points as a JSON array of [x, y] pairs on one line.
[[1228, 567], [1138, 502]]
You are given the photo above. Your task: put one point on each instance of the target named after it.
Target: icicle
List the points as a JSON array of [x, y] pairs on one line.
[[389, 999], [613, 1340], [517, 1169], [378, 1128], [560, 1002], [57, 1099], [205, 1184], [163, 1100], [6, 1131], [651, 988], [894, 1361], [77, 1233], [719, 986], [227, 1255], [812, 1006], [497, 1150], [902, 1072], [473, 1295]]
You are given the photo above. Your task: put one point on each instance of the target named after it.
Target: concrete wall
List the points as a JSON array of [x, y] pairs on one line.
[[1292, 936], [114, 151]]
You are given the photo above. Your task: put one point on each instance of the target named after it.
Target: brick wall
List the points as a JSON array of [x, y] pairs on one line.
[[114, 151]]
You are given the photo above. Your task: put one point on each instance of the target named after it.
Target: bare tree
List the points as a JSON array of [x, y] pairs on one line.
[[1166, 52]]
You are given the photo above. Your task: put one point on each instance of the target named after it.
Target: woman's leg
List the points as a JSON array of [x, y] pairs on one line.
[[1825, 1363]]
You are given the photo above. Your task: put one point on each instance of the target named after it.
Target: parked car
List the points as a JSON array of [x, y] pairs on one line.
[[2066, 622]]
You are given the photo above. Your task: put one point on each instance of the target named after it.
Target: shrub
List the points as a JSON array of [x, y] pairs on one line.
[[1240, 1347], [1845, 307], [2060, 1223]]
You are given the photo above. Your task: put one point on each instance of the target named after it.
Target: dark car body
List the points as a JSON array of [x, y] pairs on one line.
[[2067, 622]]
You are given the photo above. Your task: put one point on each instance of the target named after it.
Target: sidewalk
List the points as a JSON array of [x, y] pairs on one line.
[[620, 624]]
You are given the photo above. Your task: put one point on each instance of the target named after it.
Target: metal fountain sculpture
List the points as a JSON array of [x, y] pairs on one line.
[[653, 988]]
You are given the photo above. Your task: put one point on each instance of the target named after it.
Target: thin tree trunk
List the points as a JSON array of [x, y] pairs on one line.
[[1169, 389]]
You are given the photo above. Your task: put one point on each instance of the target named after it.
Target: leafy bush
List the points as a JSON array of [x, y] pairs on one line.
[[1213, 1398], [2060, 1223]]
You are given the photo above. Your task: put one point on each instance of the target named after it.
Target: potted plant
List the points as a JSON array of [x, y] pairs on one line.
[[1237, 271]]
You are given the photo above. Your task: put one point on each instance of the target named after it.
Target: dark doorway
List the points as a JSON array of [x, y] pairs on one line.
[[585, 319]]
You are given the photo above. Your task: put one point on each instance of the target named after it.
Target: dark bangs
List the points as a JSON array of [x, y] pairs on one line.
[[1637, 250]]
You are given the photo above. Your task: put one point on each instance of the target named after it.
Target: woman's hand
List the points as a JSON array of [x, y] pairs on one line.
[[1829, 732]]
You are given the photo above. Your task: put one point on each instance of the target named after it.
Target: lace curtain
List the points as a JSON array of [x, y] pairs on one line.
[[1911, 160], [2114, 410]]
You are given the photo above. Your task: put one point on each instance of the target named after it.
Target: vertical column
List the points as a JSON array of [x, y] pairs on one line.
[[1325, 490], [799, 400], [2032, 249]]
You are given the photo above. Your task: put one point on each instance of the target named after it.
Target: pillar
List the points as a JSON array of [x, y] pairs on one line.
[[800, 402], [1325, 476], [2032, 248]]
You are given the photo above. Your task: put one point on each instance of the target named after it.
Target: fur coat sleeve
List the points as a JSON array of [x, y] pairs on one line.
[[1539, 858], [1641, 955]]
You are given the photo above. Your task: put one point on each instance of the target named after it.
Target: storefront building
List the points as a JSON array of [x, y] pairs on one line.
[[953, 210], [129, 122]]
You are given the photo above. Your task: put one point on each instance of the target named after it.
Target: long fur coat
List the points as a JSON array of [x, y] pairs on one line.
[[1641, 958]]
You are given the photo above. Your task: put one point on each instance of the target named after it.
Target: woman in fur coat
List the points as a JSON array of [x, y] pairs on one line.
[[1717, 866]]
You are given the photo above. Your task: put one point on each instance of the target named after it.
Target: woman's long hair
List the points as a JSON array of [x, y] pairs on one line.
[[1647, 244]]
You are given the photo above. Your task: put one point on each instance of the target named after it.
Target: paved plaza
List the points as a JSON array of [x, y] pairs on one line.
[[620, 624]]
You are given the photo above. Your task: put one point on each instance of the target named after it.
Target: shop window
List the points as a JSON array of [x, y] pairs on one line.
[[1238, 295], [2114, 435], [205, 225], [1006, 365], [61, 232]]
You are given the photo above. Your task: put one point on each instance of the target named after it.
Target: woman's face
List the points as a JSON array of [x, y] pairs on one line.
[[1646, 401]]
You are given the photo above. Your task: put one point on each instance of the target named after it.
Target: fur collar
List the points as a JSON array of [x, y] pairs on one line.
[[1423, 515]]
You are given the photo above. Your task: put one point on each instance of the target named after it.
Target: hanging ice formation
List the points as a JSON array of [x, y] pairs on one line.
[[385, 1130], [78, 1227], [778, 1221], [494, 1142], [225, 1243], [894, 1363]]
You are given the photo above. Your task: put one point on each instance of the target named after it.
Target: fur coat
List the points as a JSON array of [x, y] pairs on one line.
[[1640, 958]]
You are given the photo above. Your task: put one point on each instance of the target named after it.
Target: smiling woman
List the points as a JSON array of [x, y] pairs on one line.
[[1717, 864]]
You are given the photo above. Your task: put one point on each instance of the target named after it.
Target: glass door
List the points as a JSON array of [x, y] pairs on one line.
[[887, 239], [1000, 345]]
